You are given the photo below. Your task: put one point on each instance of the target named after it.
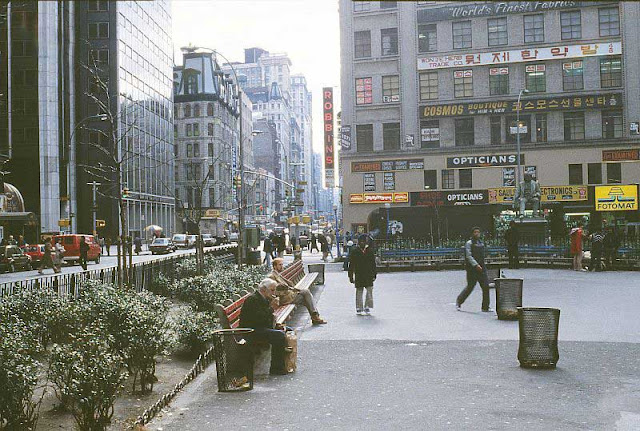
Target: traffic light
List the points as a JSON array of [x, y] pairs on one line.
[[287, 193], [125, 192], [237, 181]]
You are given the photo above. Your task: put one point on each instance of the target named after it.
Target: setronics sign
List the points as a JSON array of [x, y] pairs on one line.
[[459, 162], [434, 199], [549, 194], [329, 162]]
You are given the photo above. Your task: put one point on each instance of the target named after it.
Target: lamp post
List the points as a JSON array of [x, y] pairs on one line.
[[388, 207], [335, 212], [525, 91]]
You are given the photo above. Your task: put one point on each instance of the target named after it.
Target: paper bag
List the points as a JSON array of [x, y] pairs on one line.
[[291, 351]]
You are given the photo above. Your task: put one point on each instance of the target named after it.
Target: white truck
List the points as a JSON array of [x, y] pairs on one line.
[[216, 227]]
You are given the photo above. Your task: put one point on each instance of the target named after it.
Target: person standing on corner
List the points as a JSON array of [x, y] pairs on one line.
[[362, 273], [267, 247], [577, 235], [84, 251], [476, 270], [512, 238]]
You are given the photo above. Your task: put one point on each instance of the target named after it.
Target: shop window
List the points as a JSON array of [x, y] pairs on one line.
[[464, 132], [427, 37], [610, 72], [428, 85], [612, 124], [448, 179], [364, 137], [391, 88], [465, 178], [535, 78], [575, 174], [572, 76], [534, 28], [496, 128], [614, 173], [430, 179], [570, 25], [573, 126], [461, 34], [498, 81], [429, 133], [609, 21], [541, 127], [594, 173], [463, 83], [391, 136], [511, 123]]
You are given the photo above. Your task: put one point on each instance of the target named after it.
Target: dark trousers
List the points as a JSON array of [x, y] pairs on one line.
[[83, 260], [514, 256], [610, 256], [596, 260], [277, 340], [473, 277]]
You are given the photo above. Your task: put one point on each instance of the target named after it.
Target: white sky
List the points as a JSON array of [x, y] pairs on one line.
[[307, 30]]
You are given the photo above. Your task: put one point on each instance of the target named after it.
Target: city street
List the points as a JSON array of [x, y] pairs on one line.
[[417, 363]]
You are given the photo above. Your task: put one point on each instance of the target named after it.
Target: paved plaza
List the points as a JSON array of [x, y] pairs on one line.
[[417, 363]]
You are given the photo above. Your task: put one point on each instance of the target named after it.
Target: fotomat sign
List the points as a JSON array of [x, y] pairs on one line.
[[329, 162], [492, 160]]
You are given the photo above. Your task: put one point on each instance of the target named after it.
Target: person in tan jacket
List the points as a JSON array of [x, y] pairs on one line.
[[289, 294]]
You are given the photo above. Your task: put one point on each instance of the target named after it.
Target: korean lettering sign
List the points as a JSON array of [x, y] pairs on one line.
[[327, 107], [610, 100]]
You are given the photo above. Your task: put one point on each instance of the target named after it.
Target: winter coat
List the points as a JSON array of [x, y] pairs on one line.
[[362, 266], [256, 312], [576, 240], [474, 254], [512, 237], [268, 246]]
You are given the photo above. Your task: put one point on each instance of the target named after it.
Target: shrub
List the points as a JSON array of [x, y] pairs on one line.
[[18, 376], [194, 330], [89, 375], [162, 285]]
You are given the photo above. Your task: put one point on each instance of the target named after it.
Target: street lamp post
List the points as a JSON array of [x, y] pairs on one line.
[[335, 212], [388, 207], [525, 91]]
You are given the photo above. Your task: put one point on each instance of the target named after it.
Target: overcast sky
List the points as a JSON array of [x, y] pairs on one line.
[[307, 30]]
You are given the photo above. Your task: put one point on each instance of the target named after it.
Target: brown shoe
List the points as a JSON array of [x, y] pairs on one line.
[[317, 320]]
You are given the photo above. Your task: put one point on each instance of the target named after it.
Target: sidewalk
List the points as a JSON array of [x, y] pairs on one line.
[[419, 364]]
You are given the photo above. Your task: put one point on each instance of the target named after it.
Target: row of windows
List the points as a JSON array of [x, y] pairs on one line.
[[364, 6], [388, 42]]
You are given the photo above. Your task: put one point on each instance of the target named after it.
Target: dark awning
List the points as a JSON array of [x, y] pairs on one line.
[[17, 216]]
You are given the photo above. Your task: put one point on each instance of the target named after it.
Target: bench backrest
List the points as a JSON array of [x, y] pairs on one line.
[[294, 272], [229, 314]]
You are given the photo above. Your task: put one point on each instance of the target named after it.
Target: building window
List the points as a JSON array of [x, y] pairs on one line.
[[463, 83], [465, 178], [535, 78], [573, 126], [428, 85], [496, 129], [594, 173], [364, 137], [614, 173], [98, 6], [212, 197], [498, 81], [196, 129], [187, 111], [570, 25], [388, 4], [364, 91], [189, 129], [209, 109], [609, 20], [189, 150], [575, 174], [611, 124], [430, 179], [361, 6], [572, 76], [391, 88], [210, 129], [497, 30], [461, 34], [511, 123], [391, 136], [448, 179], [99, 30], [210, 148], [611, 72], [196, 150], [534, 28], [427, 38], [541, 127], [389, 39], [362, 41], [191, 85], [430, 134], [100, 56], [464, 132], [196, 110]]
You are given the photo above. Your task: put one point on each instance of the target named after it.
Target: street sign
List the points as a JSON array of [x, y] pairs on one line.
[[302, 183], [64, 222], [298, 203], [299, 190]]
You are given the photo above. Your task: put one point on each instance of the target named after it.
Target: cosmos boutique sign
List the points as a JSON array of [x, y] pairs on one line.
[[463, 162]]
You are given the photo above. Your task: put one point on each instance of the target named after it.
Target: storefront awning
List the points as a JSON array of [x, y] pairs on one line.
[[27, 217]]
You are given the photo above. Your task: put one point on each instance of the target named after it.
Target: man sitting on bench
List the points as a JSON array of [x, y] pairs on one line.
[[257, 314], [289, 294]]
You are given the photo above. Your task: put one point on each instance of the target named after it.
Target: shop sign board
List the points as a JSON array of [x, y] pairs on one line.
[[388, 165], [634, 128], [389, 180], [448, 198], [535, 53], [620, 155], [329, 159], [376, 198], [549, 194], [345, 137], [488, 161], [509, 177], [370, 182], [617, 198], [543, 104]]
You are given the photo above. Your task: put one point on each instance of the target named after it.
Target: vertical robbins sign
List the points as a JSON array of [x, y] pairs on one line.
[[329, 157]]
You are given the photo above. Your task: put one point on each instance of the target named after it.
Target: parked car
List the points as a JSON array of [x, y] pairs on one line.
[[35, 251], [208, 240], [233, 237], [71, 244], [162, 246], [191, 241], [12, 258], [180, 240]]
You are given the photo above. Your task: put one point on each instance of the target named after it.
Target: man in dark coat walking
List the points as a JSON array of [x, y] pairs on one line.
[[476, 270], [84, 252], [257, 313], [512, 238], [362, 273]]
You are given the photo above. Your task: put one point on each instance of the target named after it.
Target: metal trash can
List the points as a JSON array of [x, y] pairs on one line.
[[508, 297], [319, 268], [493, 272], [254, 257], [234, 360], [538, 346]]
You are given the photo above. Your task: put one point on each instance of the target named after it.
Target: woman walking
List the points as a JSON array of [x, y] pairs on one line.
[[362, 273], [58, 256]]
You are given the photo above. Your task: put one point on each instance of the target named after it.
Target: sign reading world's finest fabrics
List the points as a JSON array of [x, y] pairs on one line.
[[496, 58], [460, 162]]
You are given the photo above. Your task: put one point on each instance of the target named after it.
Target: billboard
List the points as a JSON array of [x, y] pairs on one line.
[[617, 198]]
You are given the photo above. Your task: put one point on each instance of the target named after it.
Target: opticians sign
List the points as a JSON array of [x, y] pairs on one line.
[[488, 161], [549, 194], [434, 199], [617, 198], [611, 100], [497, 58]]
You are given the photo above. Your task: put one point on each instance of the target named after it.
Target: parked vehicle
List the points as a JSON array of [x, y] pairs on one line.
[[214, 226], [180, 240], [233, 237], [191, 241], [71, 244], [208, 240], [36, 251], [162, 246], [12, 258]]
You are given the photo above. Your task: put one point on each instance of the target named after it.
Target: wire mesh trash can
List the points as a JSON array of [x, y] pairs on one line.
[[254, 257], [319, 268], [492, 274], [508, 297], [234, 360], [538, 346]]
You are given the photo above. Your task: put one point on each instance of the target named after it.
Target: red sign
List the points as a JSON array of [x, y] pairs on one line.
[[620, 155], [327, 108]]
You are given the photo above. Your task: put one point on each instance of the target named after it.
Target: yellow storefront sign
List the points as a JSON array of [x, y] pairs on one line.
[[617, 198], [550, 194]]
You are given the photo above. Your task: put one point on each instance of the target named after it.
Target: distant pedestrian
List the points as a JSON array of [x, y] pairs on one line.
[[512, 238], [107, 243], [611, 244], [577, 235], [362, 273], [102, 244], [84, 251], [347, 253], [597, 247], [267, 247], [11, 240], [21, 241], [474, 253], [293, 240], [281, 244], [47, 260], [138, 245], [58, 255], [324, 247], [313, 244]]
